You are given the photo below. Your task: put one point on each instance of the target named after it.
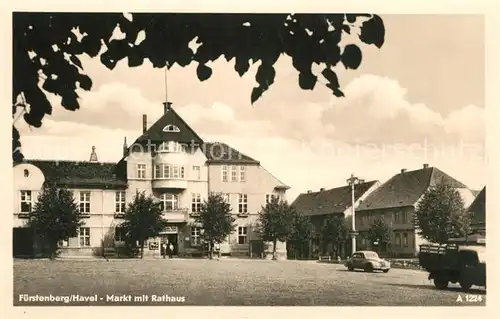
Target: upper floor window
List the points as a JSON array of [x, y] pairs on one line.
[[84, 202], [141, 171], [169, 171], [238, 173], [225, 173], [120, 203], [172, 147], [171, 128], [196, 202], [169, 201], [397, 240], [26, 201], [243, 174], [242, 203]]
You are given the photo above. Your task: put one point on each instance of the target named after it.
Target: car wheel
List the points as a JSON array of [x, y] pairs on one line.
[[440, 283], [386, 270], [465, 285], [369, 268], [350, 268]]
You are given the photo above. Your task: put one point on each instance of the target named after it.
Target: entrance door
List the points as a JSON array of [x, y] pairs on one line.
[[173, 239]]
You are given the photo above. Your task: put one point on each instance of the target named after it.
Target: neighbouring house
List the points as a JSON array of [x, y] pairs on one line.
[[319, 205], [395, 201], [169, 161], [478, 211]]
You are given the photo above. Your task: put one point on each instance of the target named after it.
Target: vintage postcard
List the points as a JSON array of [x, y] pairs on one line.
[[179, 158]]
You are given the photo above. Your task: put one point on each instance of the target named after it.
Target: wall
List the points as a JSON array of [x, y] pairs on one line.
[[257, 184]]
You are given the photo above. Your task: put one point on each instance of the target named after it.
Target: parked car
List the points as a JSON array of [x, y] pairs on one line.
[[368, 261], [453, 263]]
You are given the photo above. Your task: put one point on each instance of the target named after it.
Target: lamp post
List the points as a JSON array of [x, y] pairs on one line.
[[352, 181]]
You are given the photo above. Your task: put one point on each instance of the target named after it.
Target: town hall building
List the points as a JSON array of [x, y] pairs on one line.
[[169, 161]]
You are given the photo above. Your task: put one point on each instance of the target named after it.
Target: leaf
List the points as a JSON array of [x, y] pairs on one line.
[[256, 94], [70, 100], [85, 82], [135, 59], [76, 61], [91, 45], [347, 29], [241, 66], [373, 31], [307, 80], [265, 75], [333, 82], [203, 72], [108, 61], [351, 57]]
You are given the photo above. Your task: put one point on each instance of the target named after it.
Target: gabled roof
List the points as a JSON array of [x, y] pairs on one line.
[[77, 174], [478, 206], [222, 153], [156, 133], [406, 188], [331, 201]]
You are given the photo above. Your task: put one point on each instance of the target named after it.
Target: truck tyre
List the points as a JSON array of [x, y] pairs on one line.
[[350, 268], [465, 285], [440, 283]]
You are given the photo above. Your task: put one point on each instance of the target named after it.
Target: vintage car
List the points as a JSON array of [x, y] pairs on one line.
[[368, 261]]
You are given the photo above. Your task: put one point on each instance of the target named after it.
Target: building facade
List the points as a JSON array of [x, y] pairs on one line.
[[172, 163], [318, 206], [395, 201]]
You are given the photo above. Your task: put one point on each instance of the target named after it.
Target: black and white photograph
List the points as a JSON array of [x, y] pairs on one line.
[[167, 158]]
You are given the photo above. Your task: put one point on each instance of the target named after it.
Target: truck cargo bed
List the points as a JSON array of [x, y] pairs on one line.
[[435, 257]]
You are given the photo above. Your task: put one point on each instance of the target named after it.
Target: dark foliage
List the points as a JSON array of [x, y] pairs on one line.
[[143, 219], [334, 232], [55, 217], [216, 220], [47, 50]]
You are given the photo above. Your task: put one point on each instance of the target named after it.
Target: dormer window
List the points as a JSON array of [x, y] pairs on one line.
[[171, 129]]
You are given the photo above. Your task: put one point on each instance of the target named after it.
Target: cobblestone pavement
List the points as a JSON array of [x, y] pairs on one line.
[[228, 282]]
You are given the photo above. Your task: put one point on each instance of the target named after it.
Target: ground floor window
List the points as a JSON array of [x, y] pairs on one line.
[[64, 243], [84, 236], [405, 239], [242, 235], [397, 240], [119, 234], [195, 236]]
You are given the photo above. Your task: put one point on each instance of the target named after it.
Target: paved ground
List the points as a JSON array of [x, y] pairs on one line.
[[231, 282]]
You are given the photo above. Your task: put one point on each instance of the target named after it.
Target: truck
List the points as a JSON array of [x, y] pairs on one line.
[[453, 263]]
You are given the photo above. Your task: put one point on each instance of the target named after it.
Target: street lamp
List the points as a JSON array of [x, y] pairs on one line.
[[352, 181]]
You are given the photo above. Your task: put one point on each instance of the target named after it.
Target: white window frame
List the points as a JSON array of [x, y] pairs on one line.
[[26, 197], [269, 198], [197, 172], [242, 203], [84, 235], [167, 171], [195, 202], [225, 174], [120, 202], [195, 236], [243, 174], [141, 171], [84, 202], [171, 128], [234, 173], [169, 198], [243, 234], [227, 197]]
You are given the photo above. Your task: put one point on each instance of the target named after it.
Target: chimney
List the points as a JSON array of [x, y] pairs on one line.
[[166, 107], [321, 189], [403, 170], [125, 147], [144, 123], [309, 191], [426, 165]]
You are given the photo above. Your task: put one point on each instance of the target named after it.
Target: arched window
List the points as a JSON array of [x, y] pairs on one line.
[[171, 128]]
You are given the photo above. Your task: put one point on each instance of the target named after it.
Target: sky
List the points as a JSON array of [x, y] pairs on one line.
[[419, 99]]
